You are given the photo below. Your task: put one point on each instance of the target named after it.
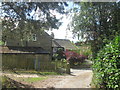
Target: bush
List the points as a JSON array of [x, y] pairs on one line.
[[59, 54], [84, 50], [107, 65], [74, 57]]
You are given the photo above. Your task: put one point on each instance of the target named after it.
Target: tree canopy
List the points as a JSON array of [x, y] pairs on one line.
[[24, 18], [99, 21]]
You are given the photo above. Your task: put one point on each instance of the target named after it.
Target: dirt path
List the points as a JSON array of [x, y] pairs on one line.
[[78, 79]]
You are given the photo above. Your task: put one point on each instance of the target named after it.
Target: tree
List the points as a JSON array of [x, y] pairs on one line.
[[24, 18], [99, 21]]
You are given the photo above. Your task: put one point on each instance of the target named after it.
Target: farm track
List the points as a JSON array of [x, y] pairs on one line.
[[79, 78]]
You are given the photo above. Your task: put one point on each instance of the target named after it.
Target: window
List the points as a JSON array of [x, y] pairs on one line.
[[34, 37], [54, 50]]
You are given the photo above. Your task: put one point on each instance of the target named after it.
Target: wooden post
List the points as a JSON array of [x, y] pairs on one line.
[[36, 63], [68, 68]]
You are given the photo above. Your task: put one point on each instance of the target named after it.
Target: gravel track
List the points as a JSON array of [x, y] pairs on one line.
[[79, 78]]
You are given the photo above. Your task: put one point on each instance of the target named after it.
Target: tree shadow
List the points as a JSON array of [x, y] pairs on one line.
[[81, 68], [72, 74], [10, 83]]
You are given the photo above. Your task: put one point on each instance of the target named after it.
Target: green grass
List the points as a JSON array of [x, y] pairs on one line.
[[1, 42], [3, 79], [33, 79], [6, 83], [39, 73]]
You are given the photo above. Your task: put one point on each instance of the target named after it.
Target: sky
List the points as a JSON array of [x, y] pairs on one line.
[[61, 33]]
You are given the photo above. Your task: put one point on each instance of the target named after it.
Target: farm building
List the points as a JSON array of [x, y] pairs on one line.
[[32, 54], [27, 54]]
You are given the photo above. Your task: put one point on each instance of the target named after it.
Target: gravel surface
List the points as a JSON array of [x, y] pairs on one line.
[[79, 78]]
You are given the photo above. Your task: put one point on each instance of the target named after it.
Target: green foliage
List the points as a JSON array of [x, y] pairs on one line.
[[96, 22], [107, 65], [59, 54], [61, 63], [83, 50], [7, 83], [1, 43], [11, 83], [24, 18]]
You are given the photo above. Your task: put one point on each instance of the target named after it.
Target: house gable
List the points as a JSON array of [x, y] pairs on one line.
[[42, 40]]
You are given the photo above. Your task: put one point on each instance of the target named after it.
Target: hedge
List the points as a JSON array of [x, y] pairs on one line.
[[106, 66]]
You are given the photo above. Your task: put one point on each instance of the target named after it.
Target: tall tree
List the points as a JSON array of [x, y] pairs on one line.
[[99, 21], [24, 18]]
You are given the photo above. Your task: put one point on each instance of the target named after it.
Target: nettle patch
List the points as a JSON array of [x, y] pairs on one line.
[[106, 66], [74, 57]]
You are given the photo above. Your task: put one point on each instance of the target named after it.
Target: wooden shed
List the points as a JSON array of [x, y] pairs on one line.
[[28, 58]]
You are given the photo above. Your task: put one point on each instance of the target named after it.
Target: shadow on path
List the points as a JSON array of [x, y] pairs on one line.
[[12, 83], [82, 68]]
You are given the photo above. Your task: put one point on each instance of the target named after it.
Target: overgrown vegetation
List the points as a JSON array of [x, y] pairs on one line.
[[107, 65], [84, 50], [1, 43], [74, 57], [6, 83], [59, 54], [98, 23], [10, 83]]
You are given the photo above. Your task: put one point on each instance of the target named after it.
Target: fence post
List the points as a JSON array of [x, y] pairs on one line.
[[36, 63], [68, 68]]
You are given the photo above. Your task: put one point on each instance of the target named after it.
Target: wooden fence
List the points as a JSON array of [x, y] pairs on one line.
[[32, 62]]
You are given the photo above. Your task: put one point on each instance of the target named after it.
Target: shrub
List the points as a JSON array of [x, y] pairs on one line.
[[84, 50], [1, 42], [59, 54], [107, 65], [74, 57]]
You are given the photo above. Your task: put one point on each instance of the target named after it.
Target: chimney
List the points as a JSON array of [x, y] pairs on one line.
[[52, 34]]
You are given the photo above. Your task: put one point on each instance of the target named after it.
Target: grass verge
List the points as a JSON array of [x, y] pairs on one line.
[[32, 72], [33, 79], [39, 73]]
